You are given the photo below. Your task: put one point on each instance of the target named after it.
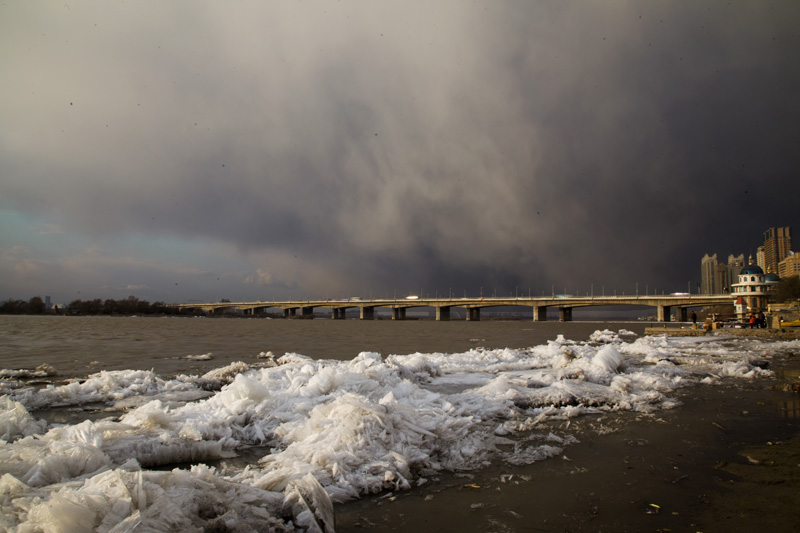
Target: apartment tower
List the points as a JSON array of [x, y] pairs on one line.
[[708, 274], [777, 245]]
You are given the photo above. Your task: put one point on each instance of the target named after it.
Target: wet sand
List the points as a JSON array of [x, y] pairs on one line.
[[728, 459]]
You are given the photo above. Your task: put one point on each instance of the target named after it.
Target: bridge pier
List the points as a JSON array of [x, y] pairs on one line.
[[367, 313], [539, 313], [565, 314], [307, 312], [682, 314], [338, 313], [399, 313], [473, 314], [664, 312], [443, 313]]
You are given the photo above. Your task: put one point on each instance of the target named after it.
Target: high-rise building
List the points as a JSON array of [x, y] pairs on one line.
[[722, 283], [789, 266], [708, 274], [716, 277], [774, 258], [735, 265], [761, 259], [777, 245]]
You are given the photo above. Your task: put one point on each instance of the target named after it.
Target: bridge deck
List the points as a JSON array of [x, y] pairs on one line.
[[663, 303]]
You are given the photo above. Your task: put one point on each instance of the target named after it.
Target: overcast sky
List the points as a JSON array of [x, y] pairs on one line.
[[192, 150]]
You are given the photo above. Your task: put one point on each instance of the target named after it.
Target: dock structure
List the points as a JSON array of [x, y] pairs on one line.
[[664, 304]]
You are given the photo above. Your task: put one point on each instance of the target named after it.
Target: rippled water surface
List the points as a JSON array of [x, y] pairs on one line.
[[77, 346]]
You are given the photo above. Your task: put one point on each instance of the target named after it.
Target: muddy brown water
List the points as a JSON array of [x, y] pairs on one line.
[[78, 346]]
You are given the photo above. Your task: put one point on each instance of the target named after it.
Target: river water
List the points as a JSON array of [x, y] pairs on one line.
[[621, 469], [77, 346]]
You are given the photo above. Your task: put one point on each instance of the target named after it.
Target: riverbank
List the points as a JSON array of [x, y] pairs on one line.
[[683, 331], [763, 490], [764, 494], [727, 459]]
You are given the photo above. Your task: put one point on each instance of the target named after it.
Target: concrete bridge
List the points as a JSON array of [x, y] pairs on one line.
[[664, 305]]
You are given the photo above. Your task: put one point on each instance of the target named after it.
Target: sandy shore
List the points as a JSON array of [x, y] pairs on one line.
[[728, 459]]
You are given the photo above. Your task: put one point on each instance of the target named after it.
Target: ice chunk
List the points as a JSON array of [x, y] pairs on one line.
[[215, 379], [310, 505], [608, 359], [15, 421], [200, 357], [60, 455], [605, 336], [41, 371], [180, 500]]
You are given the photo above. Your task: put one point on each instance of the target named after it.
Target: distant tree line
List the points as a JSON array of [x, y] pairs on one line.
[[34, 306], [129, 306]]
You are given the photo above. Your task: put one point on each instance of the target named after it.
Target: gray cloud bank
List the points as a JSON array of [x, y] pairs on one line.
[[410, 144]]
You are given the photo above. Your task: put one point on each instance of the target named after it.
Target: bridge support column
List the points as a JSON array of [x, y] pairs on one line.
[[287, 313], [664, 313], [399, 313], [338, 313], [443, 313], [565, 314], [367, 313], [307, 312], [474, 313], [682, 314], [539, 313]]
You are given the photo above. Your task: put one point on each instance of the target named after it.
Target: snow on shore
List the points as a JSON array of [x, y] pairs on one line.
[[329, 430]]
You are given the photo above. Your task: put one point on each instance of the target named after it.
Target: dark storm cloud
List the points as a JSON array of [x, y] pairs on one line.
[[501, 145]]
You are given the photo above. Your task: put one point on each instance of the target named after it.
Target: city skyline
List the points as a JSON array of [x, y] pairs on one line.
[[718, 277], [197, 151]]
